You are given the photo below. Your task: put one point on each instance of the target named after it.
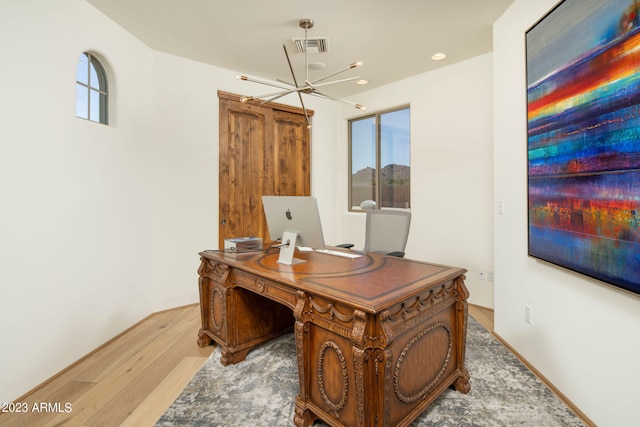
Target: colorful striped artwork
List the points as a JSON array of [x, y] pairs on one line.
[[583, 146]]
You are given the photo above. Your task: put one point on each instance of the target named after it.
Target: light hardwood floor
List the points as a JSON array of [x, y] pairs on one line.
[[132, 380], [483, 315]]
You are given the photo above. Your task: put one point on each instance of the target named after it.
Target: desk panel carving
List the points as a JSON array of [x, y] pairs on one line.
[[377, 339], [442, 343]]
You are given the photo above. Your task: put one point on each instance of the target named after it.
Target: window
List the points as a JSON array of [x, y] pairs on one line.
[[91, 89], [379, 160]]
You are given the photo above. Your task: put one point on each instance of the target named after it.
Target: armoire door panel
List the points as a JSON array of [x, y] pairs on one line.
[[263, 150], [292, 172]]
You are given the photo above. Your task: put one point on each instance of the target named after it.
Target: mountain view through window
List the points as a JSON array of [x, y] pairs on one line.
[[380, 160]]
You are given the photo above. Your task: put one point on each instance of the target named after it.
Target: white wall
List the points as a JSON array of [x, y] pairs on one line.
[[74, 195], [451, 168], [584, 336], [185, 175], [101, 226]]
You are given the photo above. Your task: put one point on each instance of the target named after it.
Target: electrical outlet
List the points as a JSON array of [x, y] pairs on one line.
[[490, 275], [528, 314], [482, 274]]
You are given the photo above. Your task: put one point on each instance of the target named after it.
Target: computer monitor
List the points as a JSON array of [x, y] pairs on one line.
[[294, 213]]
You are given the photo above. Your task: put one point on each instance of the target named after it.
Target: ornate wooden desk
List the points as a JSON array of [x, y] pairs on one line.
[[377, 338]]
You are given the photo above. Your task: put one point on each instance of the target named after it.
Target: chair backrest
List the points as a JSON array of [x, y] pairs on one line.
[[386, 231]]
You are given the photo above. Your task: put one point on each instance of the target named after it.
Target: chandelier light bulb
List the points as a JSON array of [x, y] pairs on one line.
[[361, 107]]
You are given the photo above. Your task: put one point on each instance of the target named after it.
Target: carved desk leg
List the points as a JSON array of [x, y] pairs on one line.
[[302, 417], [363, 382], [204, 340], [212, 277], [462, 384]]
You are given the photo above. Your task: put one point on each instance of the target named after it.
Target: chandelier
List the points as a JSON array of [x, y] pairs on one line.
[[307, 87]]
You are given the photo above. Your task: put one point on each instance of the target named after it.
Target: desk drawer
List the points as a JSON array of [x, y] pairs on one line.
[[275, 291]]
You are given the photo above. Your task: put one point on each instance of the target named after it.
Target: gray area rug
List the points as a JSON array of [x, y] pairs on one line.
[[261, 391]]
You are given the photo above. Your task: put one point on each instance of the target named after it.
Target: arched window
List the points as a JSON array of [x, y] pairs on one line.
[[91, 89]]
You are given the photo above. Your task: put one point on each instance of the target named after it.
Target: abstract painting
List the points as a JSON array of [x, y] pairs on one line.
[[583, 139]]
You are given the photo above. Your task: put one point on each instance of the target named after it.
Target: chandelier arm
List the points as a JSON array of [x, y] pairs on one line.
[[263, 82], [333, 82], [354, 65], [286, 54], [286, 82], [278, 94], [273, 98], [325, 96], [306, 115]]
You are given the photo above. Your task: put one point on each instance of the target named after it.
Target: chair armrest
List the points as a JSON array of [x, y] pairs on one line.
[[398, 254], [345, 245]]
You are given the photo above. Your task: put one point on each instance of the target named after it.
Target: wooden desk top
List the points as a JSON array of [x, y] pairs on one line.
[[371, 282]]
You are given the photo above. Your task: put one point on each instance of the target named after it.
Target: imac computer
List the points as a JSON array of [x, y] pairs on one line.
[[296, 220]]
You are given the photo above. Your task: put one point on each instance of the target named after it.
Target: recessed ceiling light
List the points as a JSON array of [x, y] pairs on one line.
[[438, 56], [316, 66], [362, 82]]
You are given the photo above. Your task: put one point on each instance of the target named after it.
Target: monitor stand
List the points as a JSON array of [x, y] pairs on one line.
[[289, 239]]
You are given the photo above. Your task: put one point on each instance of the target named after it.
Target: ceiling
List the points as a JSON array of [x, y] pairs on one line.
[[394, 39]]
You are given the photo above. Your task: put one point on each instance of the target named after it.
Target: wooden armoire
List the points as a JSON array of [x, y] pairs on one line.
[[263, 150]]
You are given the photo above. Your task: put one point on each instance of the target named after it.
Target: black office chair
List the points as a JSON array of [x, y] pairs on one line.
[[386, 232]]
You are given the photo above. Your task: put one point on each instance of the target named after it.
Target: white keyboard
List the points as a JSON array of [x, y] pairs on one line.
[[338, 253]]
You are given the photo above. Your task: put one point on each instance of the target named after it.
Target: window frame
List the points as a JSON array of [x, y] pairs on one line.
[[102, 90], [378, 155]]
